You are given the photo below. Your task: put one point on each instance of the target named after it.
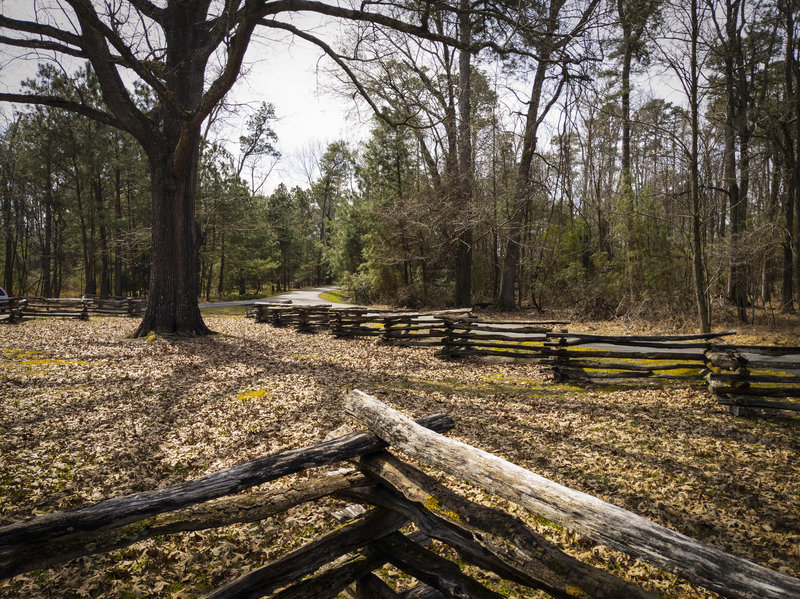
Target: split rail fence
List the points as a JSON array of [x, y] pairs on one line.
[[397, 495], [747, 377], [741, 377], [16, 309]]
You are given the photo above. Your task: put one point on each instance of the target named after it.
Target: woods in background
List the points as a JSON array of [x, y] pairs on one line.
[[627, 156]]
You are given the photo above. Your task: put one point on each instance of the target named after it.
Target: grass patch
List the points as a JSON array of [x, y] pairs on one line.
[[519, 387], [339, 296], [224, 310]]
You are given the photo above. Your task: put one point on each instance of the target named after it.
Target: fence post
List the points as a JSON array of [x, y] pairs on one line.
[[84, 315], [448, 341]]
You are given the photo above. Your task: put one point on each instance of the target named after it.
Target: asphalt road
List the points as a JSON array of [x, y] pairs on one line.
[[302, 297]]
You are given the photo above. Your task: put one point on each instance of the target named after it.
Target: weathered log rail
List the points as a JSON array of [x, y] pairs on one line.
[[78, 307], [508, 338], [607, 359], [749, 377], [742, 377], [11, 309], [398, 493], [399, 327]]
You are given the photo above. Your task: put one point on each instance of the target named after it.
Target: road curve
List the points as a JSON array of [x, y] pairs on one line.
[[301, 297]]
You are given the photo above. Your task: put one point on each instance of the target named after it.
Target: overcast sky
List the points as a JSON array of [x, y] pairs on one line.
[[287, 73], [291, 75]]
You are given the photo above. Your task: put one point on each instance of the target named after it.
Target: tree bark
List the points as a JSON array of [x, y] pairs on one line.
[[10, 245], [47, 250], [608, 524], [513, 550], [22, 542], [370, 587], [428, 567], [376, 524], [172, 306], [522, 188], [223, 512], [463, 283], [698, 266], [118, 245]]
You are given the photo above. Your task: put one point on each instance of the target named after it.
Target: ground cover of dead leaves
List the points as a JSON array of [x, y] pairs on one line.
[[87, 414]]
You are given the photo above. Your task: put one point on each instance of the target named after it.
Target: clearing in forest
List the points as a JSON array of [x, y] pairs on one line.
[[88, 414]]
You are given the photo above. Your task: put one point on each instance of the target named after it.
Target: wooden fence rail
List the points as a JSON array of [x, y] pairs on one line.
[[607, 358], [745, 377], [400, 327], [11, 309], [16, 309], [509, 339], [398, 493]]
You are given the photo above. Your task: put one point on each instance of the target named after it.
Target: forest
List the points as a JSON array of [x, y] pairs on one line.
[[637, 156]]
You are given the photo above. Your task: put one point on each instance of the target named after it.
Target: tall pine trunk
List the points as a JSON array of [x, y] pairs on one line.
[[698, 267], [10, 245], [463, 288], [508, 282]]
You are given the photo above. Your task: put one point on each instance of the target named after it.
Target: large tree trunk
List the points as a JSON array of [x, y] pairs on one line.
[[172, 306], [172, 303]]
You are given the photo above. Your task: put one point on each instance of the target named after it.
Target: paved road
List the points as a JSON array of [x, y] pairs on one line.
[[302, 297]]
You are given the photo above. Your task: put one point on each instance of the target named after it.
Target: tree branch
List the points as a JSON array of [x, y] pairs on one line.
[[40, 29], [236, 51], [279, 6], [58, 102], [42, 45], [150, 10], [332, 54], [90, 20]]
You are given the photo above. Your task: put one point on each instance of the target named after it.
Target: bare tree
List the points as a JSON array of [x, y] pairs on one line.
[[187, 54], [552, 45]]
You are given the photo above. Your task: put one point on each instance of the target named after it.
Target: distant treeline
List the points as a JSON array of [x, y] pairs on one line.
[[589, 190]]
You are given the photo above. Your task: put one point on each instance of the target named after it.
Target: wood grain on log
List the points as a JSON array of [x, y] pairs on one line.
[[723, 389], [422, 591], [52, 529], [503, 535], [222, 512], [443, 530], [331, 581], [426, 566], [371, 587], [755, 402], [603, 522], [630, 366], [646, 337], [373, 526], [693, 356]]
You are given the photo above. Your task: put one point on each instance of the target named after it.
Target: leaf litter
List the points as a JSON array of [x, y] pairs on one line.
[[87, 414]]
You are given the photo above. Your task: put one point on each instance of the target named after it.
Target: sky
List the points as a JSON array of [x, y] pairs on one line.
[[292, 76], [289, 74]]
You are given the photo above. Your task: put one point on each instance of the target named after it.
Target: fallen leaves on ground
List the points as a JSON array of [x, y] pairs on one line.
[[87, 414]]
